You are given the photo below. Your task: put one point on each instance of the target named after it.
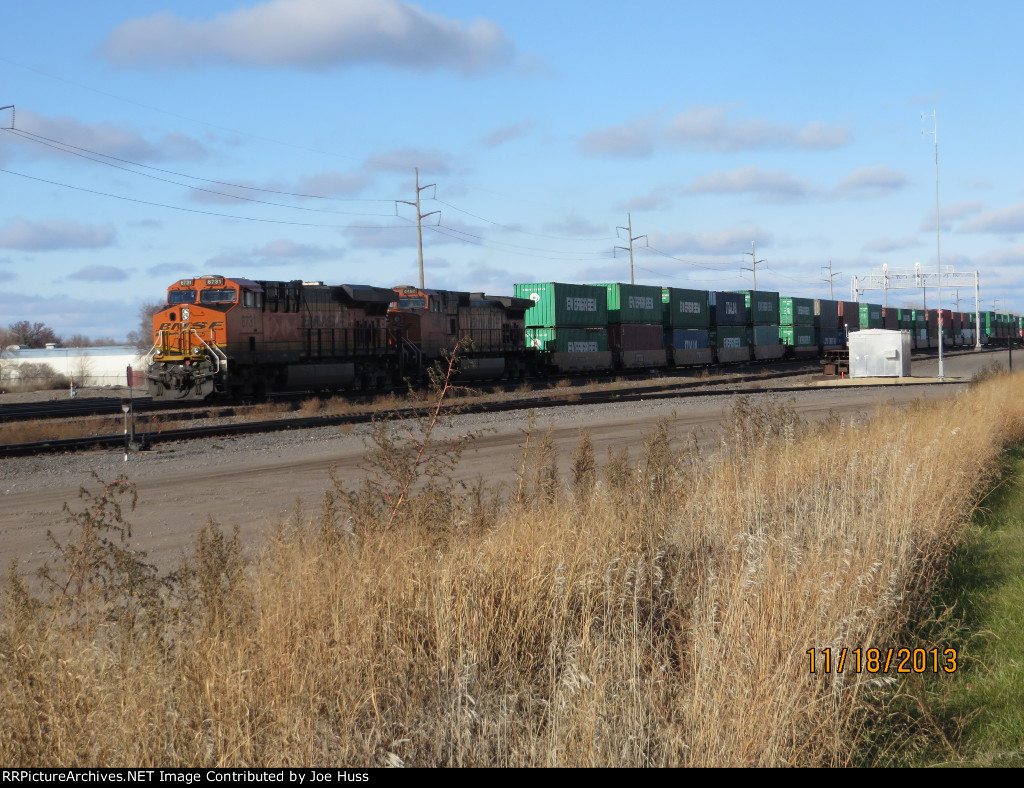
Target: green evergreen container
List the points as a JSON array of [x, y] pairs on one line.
[[798, 336], [728, 336], [564, 305], [762, 307], [796, 311], [682, 308], [871, 316], [633, 303], [568, 340]]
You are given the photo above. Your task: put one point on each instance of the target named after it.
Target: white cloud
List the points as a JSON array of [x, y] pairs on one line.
[[710, 128], [507, 133], [635, 139], [53, 234], [658, 198], [325, 184], [877, 180], [312, 34], [885, 244], [767, 183], [406, 159], [950, 213], [733, 240], [171, 270], [573, 226], [1002, 220], [108, 139], [282, 252], [100, 273]]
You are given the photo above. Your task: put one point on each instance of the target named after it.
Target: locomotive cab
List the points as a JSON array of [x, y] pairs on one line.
[[191, 352]]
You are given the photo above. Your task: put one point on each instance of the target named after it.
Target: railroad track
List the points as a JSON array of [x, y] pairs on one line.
[[545, 399], [189, 410]]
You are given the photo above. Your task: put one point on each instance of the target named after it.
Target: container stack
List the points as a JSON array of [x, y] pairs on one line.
[[568, 324], [946, 327], [890, 318], [871, 316], [635, 331], [685, 320], [830, 335], [728, 331], [763, 324], [796, 325], [849, 316], [920, 334], [933, 328]]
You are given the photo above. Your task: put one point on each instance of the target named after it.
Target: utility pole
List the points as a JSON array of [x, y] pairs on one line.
[[938, 229], [629, 234], [831, 276], [754, 261], [419, 218]]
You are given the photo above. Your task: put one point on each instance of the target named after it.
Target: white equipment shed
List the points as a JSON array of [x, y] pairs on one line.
[[879, 353]]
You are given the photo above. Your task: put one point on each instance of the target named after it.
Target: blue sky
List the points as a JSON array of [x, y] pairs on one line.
[[271, 140]]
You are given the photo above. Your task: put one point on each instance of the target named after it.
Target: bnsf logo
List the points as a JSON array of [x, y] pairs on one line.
[[641, 302], [199, 326], [574, 304], [582, 347]]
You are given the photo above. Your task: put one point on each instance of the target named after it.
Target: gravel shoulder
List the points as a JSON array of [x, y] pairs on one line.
[[259, 481]]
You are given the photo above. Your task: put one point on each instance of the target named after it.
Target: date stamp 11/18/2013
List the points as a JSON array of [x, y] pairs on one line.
[[882, 660]]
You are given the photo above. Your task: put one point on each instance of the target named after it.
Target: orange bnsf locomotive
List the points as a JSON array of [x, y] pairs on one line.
[[220, 336], [491, 331], [232, 336]]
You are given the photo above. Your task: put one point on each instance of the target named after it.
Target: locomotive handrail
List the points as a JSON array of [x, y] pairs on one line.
[[218, 355], [152, 351]]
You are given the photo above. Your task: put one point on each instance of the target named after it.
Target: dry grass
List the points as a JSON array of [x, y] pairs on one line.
[[649, 614]]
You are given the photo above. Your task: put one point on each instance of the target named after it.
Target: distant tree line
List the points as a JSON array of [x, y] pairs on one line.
[[38, 335]]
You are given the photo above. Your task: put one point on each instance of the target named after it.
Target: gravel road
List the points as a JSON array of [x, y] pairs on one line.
[[258, 481]]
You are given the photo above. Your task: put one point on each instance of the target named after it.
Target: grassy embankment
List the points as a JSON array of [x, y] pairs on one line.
[[652, 611], [976, 715]]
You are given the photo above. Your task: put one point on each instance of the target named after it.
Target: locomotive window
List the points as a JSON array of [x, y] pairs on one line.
[[218, 296], [249, 298], [181, 296], [412, 303]]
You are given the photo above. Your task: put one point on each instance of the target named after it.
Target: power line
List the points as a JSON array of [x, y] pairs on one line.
[[524, 232], [75, 152], [476, 240], [198, 211]]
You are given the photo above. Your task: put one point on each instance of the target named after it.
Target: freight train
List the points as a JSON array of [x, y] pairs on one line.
[[229, 337]]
